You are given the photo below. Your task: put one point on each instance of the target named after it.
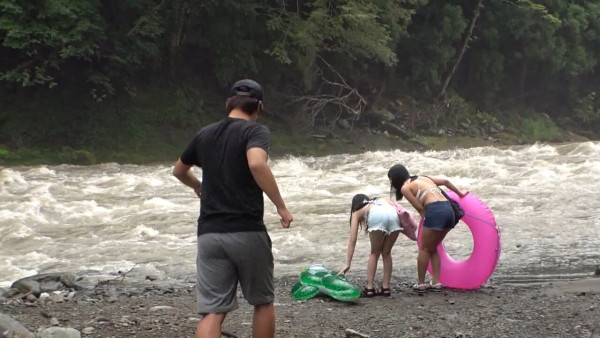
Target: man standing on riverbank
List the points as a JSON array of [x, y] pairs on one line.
[[233, 243]]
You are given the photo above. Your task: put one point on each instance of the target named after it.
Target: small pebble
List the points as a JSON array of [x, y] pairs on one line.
[[88, 330]]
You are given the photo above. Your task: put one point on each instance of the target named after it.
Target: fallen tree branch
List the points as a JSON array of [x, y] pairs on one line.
[[337, 94]]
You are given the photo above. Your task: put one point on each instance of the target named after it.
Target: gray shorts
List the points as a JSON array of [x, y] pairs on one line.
[[223, 260]]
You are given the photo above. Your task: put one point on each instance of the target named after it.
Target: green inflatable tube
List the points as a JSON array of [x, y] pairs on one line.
[[318, 280]]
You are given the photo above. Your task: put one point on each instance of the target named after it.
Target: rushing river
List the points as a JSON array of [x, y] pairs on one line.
[[113, 217]]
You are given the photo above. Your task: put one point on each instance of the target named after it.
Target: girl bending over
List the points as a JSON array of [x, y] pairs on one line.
[[380, 220], [425, 196]]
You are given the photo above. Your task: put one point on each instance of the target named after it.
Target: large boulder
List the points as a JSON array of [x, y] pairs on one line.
[[10, 328], [47, 282], [59, 332]]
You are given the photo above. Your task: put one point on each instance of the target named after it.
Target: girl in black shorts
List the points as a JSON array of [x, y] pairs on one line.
[[425, 196]]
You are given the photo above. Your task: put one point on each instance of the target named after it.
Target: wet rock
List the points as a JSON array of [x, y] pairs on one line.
[[12, 293], [394, 129], [597, 272], [50, 282], [166, 290], [51, 285], [11, 328], [68, 279], [59, 332], [26, 286]]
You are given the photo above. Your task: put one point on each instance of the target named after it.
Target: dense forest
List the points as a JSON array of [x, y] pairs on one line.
[[114, 78]]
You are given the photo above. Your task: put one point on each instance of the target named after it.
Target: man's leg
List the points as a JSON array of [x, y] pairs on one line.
[[216, 284], [210, 325], [252, 252], [263, 324]]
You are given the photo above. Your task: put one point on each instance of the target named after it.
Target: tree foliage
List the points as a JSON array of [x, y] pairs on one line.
[[80, 67]]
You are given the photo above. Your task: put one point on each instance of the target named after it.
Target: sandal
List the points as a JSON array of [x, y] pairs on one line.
[[368, 292], [436, 287], [385, 292], [421, 288]]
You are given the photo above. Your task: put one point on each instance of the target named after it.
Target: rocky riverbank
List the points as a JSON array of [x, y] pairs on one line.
[[114, 308]]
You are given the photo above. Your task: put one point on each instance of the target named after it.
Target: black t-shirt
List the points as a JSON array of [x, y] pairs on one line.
[[231, 200]]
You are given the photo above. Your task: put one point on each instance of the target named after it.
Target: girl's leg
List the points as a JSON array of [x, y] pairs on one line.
[[422, 261], [386, 255], [435, 258], [430, 239], [376, 238]]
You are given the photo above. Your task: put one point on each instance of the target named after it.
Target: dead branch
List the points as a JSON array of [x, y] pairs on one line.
[[336, 93], [465, 46]]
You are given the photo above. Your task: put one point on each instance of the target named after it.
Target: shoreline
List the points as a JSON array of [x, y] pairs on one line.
[[354, 142], [88, 279], [567, 308]]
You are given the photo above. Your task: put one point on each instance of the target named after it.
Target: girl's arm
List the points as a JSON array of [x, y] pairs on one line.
[[354, 222], [412, 199], [449, 185]]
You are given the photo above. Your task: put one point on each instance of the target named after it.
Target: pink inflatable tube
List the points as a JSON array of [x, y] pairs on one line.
[[475, 270]]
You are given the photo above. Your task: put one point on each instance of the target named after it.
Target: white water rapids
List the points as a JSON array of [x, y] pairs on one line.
[[113, 217]]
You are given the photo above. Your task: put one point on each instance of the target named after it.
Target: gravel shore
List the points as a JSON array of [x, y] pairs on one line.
[[557, 309]]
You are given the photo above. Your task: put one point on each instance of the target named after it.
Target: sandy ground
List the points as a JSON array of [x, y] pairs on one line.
[[559, 309]]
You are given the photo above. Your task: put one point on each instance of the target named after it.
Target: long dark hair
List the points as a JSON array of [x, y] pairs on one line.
[[358, 202], [398, 174]]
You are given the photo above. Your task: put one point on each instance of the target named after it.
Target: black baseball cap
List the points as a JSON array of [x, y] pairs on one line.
[[248, 88]]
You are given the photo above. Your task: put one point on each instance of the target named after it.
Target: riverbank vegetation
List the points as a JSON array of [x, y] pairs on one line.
[[130, 81]]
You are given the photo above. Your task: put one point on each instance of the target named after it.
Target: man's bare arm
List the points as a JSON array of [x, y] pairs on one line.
[[184, 174], [257, 162]]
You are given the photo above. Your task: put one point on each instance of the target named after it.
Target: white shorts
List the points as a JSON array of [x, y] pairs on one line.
[[383, 217]]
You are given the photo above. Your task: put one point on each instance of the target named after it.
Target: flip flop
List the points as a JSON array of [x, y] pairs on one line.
[[421, 288], [436, 287]]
